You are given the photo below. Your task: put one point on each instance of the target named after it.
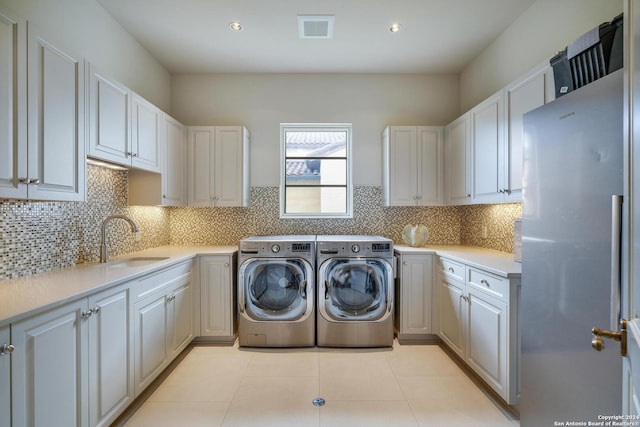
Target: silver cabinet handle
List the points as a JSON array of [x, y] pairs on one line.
[[6, 349], [95, 310], [484, 282], [468, 195], [86, 314], [28, 181], [451, 269]]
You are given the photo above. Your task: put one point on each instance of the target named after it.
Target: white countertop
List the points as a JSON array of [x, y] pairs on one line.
[[496, 262], [25, 296]]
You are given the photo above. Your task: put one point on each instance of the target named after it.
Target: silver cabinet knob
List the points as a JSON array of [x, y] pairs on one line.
[[6, 349], [86, 314], [95, 310]]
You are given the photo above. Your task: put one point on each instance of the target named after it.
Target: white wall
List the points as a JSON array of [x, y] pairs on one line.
[[84, 28], [538, 34], [263, 101]]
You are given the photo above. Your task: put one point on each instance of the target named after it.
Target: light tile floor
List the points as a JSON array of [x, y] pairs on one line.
[[407, 385]]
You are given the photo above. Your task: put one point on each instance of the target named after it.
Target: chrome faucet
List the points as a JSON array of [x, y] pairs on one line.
[[104, 254]]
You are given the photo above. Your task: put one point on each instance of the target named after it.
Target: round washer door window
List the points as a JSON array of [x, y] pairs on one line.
[[355, 289], [276, 289]]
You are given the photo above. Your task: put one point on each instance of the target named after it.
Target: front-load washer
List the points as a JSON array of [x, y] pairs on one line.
[[355, 291], [276, 291]]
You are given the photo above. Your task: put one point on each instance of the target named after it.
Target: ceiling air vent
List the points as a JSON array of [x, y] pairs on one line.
[[315, 26]]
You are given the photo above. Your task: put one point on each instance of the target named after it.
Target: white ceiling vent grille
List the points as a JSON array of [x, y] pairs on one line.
[[315, 26]]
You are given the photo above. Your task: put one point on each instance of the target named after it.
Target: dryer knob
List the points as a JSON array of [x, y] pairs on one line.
[[355, 249], [275, 249]]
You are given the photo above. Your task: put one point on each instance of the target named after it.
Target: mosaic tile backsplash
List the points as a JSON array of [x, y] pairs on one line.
[[446, 224], [36, 237], [41, 236]]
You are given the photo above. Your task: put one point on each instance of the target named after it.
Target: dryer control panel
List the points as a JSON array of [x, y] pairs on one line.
[[359, 249]]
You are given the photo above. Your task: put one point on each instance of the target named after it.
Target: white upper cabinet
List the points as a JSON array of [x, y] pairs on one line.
[[174, 164], [13, 108], [218, 166], [457, 161], [124, 128], [483, 148], [42, 117], [523, 95], [109, 118], [412, 165], [487, 145], [145, 134]]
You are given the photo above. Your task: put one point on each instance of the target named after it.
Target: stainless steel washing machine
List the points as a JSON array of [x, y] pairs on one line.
[[355, 291], [276, 291]]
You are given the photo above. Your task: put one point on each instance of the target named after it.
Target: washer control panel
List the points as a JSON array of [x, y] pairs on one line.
[[280, 249]]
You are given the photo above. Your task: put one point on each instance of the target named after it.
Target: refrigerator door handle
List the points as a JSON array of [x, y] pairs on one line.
[[616, 239]]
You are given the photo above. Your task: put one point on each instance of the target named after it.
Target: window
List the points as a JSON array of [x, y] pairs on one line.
[[315, 171]]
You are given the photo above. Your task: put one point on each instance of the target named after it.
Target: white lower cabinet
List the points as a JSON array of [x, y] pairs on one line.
[[452, 312], [110, 355], [49, 368], [477, 320], [5, 377], [217, 305], [413, 297], [83, 363], [163, 322]]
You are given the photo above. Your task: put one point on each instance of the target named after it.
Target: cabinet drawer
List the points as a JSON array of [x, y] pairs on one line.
[[452, 269], [486, 282], [154, 281]]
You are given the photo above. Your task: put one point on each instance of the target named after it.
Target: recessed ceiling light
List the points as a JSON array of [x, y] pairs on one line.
[[395, 28], [235, 26]]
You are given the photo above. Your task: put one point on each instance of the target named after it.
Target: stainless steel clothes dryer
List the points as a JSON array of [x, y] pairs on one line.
[[355, 291], [276, 288]]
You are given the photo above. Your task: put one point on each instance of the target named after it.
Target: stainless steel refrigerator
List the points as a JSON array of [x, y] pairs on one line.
[[573, 154]]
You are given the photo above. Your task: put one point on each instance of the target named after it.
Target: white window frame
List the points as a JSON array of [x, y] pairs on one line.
[[316, 127]]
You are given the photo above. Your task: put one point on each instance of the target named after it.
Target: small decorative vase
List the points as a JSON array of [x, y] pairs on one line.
[[415, 235]]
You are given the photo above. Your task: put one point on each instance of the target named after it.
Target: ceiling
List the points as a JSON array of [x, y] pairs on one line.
[[437, 36]]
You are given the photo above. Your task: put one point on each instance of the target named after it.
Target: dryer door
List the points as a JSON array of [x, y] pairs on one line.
[[355, 289], [275, 289]]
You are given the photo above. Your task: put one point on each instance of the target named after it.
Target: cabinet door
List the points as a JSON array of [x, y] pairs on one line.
[[13, 108], [145, 134], [230, 184], [109, 119], [150, 342], [451, 314], [487, 339], [487, 143], [201, 161], [5, 379], [56, 139], [401, 164], [49, 368], [457, 168], [430, 183], [522, 96], [216, 302], [416, 285], [110, 355], [180, 316], [174, 165]]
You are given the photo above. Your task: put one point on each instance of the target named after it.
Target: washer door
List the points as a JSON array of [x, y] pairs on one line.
[[275, 289], [355, 289]]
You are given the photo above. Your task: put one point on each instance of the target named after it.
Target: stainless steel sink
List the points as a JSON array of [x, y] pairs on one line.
[[135, 262]]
